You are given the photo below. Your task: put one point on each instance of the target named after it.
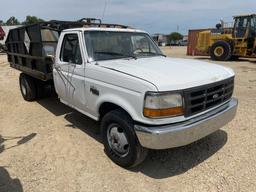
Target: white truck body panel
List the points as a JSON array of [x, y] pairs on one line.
[[170, 74], [124, 82], [120, 77]]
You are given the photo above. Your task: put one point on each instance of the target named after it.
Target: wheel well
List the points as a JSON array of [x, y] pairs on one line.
[[107, 107]]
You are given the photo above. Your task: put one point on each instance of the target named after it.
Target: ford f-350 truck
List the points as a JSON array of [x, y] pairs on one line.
[[118, 75]]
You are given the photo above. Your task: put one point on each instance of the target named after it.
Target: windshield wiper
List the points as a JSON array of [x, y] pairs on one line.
[[154, 54], [115, 53], [161, 54]]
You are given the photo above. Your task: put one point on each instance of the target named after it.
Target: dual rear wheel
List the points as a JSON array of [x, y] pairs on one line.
[[27, 87], [32, 88]]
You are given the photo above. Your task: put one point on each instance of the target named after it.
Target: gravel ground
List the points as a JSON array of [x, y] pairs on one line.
[[46, 146]]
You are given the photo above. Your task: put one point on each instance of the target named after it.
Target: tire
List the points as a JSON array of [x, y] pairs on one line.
[[27, 87], [120, 141], [43, 89], [221, 51], [235, 57], [39, 89]]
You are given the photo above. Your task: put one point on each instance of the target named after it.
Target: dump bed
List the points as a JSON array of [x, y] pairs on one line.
[[29, 47]]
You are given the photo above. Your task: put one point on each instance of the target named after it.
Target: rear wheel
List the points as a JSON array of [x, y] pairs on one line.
[[235, 57], [43, 89], [221, 51], [120, 141], [27, 87]]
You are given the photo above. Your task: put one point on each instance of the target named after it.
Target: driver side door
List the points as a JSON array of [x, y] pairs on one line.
[[69, 71]]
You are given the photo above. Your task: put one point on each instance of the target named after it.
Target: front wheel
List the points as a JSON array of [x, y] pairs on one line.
[[221, 51], [120, 141]]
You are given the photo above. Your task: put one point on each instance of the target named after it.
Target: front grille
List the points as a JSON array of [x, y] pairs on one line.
[[205, 97]]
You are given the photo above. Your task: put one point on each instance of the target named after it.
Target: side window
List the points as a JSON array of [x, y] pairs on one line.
[[70, 51]]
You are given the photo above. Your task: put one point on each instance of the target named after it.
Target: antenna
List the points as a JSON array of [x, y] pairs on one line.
[[178, 28], [104, 9]]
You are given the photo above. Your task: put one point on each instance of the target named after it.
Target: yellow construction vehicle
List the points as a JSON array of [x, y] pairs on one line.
[[224, 43]]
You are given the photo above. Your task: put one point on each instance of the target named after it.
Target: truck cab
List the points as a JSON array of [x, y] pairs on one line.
[[118, 75]]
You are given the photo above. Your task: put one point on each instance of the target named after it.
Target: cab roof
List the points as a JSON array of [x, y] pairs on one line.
[[105, 29]]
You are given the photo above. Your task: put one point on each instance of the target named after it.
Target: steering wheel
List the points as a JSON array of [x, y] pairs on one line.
[[138, 49]]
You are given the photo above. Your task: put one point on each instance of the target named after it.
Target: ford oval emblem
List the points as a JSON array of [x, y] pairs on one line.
[[215, 96]]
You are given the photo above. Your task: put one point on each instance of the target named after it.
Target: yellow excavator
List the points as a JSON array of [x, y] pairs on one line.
[[223, 43]]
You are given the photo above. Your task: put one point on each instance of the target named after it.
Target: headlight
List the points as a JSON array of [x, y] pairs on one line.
[[160, 105]]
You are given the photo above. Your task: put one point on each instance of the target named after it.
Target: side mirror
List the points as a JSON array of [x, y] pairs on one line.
[[50, 58]]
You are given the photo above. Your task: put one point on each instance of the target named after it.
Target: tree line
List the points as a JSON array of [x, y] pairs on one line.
[[175, 36], [14, 21]]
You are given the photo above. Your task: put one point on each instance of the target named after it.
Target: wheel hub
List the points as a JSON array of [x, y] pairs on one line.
[[117, 140], [218, 51]]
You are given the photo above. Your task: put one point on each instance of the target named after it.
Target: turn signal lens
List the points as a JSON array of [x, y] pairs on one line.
[[156, 113]]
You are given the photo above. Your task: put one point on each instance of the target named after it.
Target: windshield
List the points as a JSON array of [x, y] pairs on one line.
[[105, 45]]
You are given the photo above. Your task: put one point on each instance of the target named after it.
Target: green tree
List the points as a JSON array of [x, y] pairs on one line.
[[12, 21], [175, 36], [31, 20]]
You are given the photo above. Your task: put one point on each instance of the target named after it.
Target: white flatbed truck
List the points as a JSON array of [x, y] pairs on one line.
[[118, 75]]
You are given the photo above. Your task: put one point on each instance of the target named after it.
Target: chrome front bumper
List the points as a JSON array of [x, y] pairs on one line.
[[180, 134]]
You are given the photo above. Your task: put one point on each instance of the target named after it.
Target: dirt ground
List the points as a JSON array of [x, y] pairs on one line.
[[46, 146]]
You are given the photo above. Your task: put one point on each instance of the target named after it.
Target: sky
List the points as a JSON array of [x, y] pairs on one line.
[[154, 16]]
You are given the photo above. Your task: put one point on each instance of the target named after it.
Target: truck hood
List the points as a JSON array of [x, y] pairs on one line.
[[170, 73]]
